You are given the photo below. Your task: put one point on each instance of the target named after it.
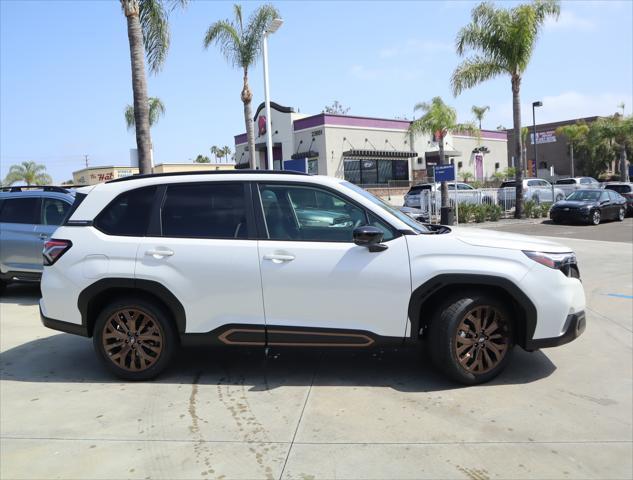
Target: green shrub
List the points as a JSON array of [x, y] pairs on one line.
[[545, 209], [494, 212], [529, 208], [480, 213], [466, 211]]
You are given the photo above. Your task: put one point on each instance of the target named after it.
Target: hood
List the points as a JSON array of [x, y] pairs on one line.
[[489, 238], [574, 203]]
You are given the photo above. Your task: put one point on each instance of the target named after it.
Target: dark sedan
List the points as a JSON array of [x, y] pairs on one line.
[[626, 190], [589, 206]]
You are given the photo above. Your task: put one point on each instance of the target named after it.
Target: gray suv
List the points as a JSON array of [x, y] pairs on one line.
[[28, 217]]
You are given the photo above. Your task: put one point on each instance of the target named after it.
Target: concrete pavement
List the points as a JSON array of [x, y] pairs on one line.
[[560, 413]]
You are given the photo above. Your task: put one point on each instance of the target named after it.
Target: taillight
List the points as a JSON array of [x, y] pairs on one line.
[[54, 249]]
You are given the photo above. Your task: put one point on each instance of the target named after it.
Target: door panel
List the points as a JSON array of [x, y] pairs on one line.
[[336, 286], [21, 248]]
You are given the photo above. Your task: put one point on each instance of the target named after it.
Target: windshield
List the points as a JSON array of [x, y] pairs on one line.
[[585, 195], [403, 217]]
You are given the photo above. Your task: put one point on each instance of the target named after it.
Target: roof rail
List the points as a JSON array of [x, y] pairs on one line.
[[212, 172], [45, 188]]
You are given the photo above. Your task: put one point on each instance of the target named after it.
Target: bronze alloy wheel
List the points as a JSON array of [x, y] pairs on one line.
[[132, 339], [481, 341]]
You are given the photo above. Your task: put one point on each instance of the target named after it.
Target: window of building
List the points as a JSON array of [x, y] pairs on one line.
[[313, 215], [128, 214], [211, 210], [54, 211], [20, 210], [370, 171]]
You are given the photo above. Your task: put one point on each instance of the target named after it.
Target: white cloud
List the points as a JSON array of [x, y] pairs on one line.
[[415, 46], [568, 20]]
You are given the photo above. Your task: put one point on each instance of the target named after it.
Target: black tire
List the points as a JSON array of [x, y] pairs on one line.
[[621, 214], [3, 285], [162, 330], [445, 334], [594, 217]]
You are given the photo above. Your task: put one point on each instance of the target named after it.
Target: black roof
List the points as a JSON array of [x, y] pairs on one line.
[[212, 172], [45, 188]]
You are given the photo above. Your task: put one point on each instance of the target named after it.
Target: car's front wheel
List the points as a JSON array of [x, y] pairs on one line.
[[594, 217], [471, 338], [621, 214], [134, 338]]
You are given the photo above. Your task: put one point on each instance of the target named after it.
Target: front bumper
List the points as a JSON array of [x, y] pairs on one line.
[[573, 328], [576, 214]]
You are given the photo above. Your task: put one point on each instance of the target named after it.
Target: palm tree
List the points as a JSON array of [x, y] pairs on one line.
[[574, 133], [503, 41], [30, 173], [479, 113], [619, 131], [226, 152], [241, 45], [439, 120], [156, 110], [148, 36], [214, 151]]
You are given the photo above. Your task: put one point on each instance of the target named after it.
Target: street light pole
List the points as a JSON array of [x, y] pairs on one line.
[[534, 105], [272, 28]]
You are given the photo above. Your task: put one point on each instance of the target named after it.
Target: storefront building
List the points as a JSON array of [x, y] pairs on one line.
[[364, 150]]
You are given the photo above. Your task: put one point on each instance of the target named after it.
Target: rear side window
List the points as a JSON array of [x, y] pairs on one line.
[[212, 210], [54, 211], [128, 214], [566, 181], [21, 210], [619, 188], [508, 184]]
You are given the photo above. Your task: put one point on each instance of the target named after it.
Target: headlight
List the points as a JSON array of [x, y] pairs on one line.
[[586, 207], [565, 262]]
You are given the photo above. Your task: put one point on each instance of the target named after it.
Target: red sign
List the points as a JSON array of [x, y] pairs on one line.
[[261, 125]]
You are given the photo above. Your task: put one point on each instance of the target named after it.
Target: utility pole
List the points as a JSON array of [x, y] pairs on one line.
[[86, 159]]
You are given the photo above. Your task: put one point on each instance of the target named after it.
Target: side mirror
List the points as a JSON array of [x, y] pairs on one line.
[[370, 237]]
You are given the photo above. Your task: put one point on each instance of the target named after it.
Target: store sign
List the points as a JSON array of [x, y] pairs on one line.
[[316, 133], [261, 126], [543, 137]]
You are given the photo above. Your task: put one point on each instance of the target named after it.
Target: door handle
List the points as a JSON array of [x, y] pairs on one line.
[[159, 253], [279, 258]]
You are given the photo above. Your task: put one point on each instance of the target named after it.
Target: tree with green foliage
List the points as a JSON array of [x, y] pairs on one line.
[[618, 130], [241, 45], [148, 36], [466, 176], [214, 151], [479, 113], [574, 134], [593, 153], [503, 41], [202, 159], [156, 110], [336, 108], [30, 173], [439, 120]]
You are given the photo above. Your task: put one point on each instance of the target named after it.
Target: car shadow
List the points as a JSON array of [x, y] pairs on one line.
[[66, 358], [26, 294]]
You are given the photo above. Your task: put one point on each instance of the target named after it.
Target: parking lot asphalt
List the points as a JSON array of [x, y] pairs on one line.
[[612, 231], [558, 413]]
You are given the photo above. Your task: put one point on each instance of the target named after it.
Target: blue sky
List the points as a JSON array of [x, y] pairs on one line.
[[65, 73]]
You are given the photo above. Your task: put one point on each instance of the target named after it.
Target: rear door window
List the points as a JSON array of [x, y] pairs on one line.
[[508, 185], [566, 181], [128, 214], [211, 210], [54, 211], [21, 210]]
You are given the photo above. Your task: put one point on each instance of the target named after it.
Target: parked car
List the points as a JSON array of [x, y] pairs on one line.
[[626, 190], [465, 194], [147, 263], [589, 206], [416, 214], [28, 217], [569, 185], [535, 189]]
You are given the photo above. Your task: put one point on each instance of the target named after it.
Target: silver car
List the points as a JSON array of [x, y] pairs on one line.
[[28, 217]]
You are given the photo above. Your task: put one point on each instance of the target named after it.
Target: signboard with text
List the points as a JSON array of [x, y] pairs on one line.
[[543, 137], [444, 173]]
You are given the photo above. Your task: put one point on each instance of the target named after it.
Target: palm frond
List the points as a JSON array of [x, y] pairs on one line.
[[473, 71], [254, 34], [155, 27], [156, 110], [224, 34]]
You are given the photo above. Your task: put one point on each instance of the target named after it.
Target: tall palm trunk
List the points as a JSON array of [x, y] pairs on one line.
[[247, 96], [139, 86], [444, 185], [518, 147], [623, 173]]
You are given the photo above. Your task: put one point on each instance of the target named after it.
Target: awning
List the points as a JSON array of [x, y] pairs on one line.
[[308, 154], [378, 154], [447, 153]]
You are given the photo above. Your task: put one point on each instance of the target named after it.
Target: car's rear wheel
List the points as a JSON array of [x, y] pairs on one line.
[[134, 338], [594, 217], [471, 338], [621, 214]]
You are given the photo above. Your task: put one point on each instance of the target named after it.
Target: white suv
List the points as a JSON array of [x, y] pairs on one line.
[[145, 264]]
